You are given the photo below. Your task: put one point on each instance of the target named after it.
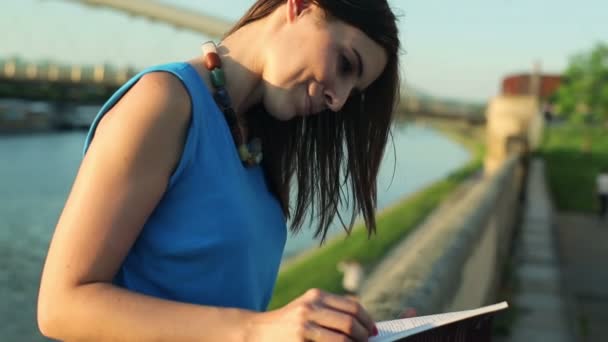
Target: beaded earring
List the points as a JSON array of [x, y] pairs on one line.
[[250, 153]]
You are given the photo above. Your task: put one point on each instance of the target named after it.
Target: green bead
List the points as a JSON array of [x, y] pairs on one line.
[[244, 152], [218, 78]]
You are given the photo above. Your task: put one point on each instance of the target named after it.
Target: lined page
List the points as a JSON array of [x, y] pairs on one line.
[[399, 328]]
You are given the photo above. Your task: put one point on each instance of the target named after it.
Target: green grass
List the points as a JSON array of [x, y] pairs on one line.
[[318, 269], [574, 155]]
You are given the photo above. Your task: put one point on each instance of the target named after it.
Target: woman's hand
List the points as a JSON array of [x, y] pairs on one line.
[[314, 316]]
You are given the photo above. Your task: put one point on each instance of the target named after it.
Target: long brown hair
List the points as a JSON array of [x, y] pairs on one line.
[[329, 150]]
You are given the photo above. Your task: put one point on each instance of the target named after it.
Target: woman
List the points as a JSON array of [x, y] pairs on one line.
[[172, 231]]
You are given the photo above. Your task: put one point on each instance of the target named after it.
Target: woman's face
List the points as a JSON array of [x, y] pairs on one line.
[[313, 64]]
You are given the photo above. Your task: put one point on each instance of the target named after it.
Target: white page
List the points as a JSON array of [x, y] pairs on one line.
[[400, 328]]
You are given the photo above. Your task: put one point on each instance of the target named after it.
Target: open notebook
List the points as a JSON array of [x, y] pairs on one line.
[[476, 322]]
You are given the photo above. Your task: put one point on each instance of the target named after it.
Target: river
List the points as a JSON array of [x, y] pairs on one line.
[[36, 173]]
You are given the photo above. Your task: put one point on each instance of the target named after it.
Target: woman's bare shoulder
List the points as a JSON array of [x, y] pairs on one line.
[[122, 178], [157, 96]]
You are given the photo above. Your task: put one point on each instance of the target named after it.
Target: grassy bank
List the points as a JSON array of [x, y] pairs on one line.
[[319, 270], [574, 155]]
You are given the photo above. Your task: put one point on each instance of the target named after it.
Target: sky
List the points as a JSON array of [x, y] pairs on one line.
[[451, 49]]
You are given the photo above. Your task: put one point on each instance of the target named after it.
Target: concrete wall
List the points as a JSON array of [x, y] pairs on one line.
[[454, 259]]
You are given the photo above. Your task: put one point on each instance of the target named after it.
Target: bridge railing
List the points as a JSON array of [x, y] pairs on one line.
[[17, 70]]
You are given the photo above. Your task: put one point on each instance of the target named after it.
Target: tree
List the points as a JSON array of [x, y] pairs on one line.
[[583, 94]]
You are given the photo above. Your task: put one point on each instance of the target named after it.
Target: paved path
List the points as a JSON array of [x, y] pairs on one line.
[[583, 246], [539, 299]]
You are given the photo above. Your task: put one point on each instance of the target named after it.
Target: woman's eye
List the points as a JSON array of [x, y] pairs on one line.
[[345, 66]]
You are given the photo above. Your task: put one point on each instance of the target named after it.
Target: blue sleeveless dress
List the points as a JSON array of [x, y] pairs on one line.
[[217, 235]]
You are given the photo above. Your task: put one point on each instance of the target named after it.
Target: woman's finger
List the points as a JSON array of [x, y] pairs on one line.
[[340, 322], [350, 307], [316, 333]]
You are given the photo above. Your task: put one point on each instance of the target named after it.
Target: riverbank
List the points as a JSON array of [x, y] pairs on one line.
[[320, 265]]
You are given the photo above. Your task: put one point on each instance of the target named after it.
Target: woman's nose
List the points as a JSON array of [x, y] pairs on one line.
[[335, 100]]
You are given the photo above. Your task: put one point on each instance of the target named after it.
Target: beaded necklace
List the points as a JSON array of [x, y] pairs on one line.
[[250, 153]]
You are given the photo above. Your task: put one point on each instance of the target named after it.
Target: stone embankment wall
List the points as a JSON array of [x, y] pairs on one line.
[[456, 258]]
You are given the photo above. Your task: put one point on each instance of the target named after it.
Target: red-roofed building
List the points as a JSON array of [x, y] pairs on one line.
[[521, 84]]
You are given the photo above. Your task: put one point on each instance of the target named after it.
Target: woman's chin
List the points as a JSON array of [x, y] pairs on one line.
[[281, 115]]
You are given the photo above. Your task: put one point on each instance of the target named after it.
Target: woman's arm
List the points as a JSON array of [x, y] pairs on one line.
[[121, 179]]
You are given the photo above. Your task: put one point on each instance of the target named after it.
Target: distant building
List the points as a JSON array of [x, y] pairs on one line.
[[545, 86], [522, 84]]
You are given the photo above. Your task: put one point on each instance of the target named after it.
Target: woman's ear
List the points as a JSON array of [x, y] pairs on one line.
[[295, 8]]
